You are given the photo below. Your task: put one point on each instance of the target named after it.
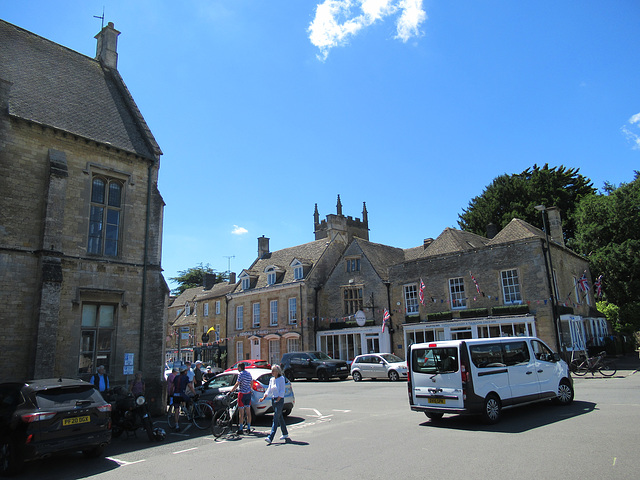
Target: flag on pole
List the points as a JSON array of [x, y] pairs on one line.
[[583, 283], [422, 292], [211, 329], [598, 286], [385, 318]]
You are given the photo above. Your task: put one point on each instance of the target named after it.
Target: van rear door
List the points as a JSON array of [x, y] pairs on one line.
[[436, 378]]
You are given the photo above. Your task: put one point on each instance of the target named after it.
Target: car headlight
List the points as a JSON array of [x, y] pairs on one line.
[[140, 400]]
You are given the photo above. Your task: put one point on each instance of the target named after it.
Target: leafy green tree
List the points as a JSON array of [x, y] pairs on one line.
[[194, 277], [516, 195], [608, 233]]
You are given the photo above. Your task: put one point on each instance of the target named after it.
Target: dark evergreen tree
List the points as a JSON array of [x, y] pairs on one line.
[[194, 277]]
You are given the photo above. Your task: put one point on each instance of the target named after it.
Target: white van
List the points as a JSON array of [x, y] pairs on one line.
[[483, 376]]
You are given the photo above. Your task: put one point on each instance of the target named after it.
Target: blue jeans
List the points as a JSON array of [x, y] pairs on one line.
[[278, 419]]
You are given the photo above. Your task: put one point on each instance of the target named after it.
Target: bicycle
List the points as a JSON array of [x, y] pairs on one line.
[[223, 421], [199, 412], [594, 364]]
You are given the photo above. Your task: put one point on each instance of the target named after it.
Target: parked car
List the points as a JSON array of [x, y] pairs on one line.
[[378, 365], [51, 416], [313, 365], [223, 383], [252, 363]]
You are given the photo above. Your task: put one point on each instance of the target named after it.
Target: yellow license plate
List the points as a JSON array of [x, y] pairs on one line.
[[440, 401], [76, 420]]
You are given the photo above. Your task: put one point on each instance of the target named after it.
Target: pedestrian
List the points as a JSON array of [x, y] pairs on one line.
[[243, 385], [181, 384], [275, 390], [209, 375], [137, 386], [190, 372], [197, 374], [170, 386], [100, 380]]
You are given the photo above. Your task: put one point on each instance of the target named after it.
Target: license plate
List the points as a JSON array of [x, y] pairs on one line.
[[343, 368], [76, 420], [440, 401]]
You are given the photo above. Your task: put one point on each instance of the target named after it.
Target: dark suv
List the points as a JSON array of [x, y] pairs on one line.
[[49, 416], [313, 365]]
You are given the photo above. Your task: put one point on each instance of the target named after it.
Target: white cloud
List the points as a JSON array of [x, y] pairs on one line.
[[239, 230], [633, 136], [338, 20]]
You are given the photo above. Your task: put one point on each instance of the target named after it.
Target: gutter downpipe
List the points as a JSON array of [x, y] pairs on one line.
[[144, 269]]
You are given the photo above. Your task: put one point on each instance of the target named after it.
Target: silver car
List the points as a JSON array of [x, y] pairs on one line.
[[378, 365]]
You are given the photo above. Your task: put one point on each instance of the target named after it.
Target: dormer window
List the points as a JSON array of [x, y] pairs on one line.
[[188, 309], [246, 283], [298, 272], [271, 276], [353, 264]]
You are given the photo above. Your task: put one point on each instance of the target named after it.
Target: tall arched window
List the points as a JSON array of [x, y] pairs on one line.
[[105, 216]]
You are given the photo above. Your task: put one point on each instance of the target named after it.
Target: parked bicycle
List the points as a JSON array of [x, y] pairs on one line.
[[224, 417], [199, 412], [597, 363]]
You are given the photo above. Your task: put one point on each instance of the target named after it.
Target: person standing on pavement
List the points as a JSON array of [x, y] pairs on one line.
[[137, 386], [170, 386], [100, 380], [190, 373], [197, 374], [243, 385], [275, 390]]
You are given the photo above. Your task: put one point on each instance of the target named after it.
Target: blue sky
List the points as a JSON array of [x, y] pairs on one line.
[[263, 109]]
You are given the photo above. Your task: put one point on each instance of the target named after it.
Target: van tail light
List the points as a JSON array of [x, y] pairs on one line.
[[257, 386], [464, 374], [104, 408], [37, 417]]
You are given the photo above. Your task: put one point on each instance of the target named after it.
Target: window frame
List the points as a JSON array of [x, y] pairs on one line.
[[101, 239], [100, 332], [352, 299], [457, 297], [273, 313], [411, 302], [514, 288], [239, 317], [256, 314], [293, 313], [352, 264]]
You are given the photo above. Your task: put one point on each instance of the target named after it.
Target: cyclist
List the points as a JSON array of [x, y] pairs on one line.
[[180, 386], [244, 397]]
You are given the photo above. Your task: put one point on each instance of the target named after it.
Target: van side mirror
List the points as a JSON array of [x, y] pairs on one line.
[[555, 357]]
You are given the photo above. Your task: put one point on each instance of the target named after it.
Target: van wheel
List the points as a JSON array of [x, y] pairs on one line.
[[565, 393], [492, 409], [434, 416], [357, 376], [393, 376]]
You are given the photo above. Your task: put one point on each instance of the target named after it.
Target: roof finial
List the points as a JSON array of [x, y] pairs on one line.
[[339, 206]]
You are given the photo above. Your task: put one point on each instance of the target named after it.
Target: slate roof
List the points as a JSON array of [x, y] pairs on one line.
[[63, 89], [516, 230], [452, 241], [381, 256]]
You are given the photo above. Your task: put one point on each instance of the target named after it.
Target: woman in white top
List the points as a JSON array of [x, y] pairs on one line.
[[275, 390]]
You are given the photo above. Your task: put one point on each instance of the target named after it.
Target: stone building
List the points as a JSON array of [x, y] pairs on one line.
[[80, 216]]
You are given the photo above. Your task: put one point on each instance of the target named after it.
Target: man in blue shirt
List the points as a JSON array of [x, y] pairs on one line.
[[244, 397], [100, 380]]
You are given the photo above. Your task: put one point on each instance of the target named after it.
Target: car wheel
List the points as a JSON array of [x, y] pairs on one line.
[[322, 375], [393, 376], [565, 393], [94, 452], [286, 412], [434, 415], [10, 460], [492, 409], [357, 376], [289, 374]]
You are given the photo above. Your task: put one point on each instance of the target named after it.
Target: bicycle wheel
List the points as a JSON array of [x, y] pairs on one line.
[[607, 368], [171, 419], [581, 370], [202, 415], [221, 425]]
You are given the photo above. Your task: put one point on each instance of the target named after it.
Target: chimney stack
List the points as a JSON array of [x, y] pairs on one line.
[[107, 48], [555, 225], [263, 246], [232, 278], [492, 230]]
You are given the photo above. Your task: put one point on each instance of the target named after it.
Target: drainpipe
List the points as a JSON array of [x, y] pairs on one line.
[[388, 285], [144, 268]]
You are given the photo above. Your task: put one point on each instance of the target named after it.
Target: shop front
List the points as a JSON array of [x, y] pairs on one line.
[[346, 344]]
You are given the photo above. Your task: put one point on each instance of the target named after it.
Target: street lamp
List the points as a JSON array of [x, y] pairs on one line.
[[546, 250]]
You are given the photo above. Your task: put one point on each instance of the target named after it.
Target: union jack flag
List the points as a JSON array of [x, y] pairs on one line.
[[583, 283], [422, 287], [385, 318], [598, 286], [476, 283]]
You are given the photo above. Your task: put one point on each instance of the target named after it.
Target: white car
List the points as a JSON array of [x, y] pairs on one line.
[[378, 365]]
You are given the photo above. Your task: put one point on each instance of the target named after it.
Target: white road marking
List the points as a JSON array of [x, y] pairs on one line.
[[124, 463], [187, 450]]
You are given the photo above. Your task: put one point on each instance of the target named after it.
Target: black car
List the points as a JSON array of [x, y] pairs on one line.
[[43, 417], [313, 365]]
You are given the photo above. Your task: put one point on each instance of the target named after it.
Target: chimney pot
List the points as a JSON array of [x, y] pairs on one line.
[[107, 46]]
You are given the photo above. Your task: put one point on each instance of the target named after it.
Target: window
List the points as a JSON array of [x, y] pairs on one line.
[[187, 308], [256, 314], [352, 300], [178, 312], [271, 276], [293, 311], [274, 352], [293, 345], [205, 309], [273, 316], [411, 298], [511, 286], [218, 307], [353, 264], [298, 272], [217, 332], [239, 317], [105, 216], [98, 325], [239, 351], [246, 283], [456, 290]]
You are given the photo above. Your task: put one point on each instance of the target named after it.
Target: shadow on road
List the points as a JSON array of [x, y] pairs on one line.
[[516, 420]]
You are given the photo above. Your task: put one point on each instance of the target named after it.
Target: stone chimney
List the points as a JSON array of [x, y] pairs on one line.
[[232, 278], [555, 225], [107, 48], [263, 246], [426, 243], [209, 281], [492, 230]]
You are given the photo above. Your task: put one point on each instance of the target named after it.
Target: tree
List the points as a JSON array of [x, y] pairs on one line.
[[516, 195], [608, 233], [194, 277]]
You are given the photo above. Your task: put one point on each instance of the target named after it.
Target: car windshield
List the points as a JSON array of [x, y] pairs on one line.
[[434, 360], [319, 356], [222, 381], [391, 358], [67, 396]]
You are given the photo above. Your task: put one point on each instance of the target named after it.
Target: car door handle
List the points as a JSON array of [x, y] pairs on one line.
[[529, 373], [540, 371]]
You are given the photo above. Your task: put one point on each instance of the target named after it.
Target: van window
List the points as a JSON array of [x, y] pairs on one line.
[[499, 354], [541, 351], [434, 360], [515, 352]]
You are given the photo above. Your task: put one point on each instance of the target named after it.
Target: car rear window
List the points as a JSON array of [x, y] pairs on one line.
[[434, 360], [70, 396]]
